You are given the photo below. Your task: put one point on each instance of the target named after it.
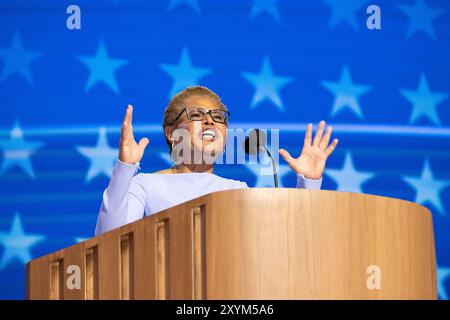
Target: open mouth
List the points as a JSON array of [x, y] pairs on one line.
[[208, 135]]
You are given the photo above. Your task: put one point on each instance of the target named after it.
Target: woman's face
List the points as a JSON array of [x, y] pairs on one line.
[[206, 135]]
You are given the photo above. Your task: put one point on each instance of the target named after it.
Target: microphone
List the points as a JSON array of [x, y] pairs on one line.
[[255, 143]]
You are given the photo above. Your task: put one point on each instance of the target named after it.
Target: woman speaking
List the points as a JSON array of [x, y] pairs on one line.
[[201, 116]]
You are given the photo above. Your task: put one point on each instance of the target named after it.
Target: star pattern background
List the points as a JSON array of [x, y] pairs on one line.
[[276, 64]]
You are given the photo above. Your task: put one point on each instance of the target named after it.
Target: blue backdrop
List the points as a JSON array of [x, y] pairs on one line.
[[276, 64]]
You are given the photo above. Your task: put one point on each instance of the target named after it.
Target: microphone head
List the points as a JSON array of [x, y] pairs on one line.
[[256, 138]]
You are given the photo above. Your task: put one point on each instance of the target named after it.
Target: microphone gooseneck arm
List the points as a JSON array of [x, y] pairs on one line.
[[274, 165]]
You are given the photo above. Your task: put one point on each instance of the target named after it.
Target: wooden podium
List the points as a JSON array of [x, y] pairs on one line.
[[253, 244]]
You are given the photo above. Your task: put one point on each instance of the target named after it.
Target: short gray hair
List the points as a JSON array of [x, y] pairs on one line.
[[178, 101]]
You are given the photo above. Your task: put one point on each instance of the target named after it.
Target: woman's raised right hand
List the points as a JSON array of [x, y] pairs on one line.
[[130, 151]]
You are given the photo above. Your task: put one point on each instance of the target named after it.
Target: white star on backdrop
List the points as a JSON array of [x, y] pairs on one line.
[[346, 93], [17, 60], [348, 178], [102, 68], [421, 18], [102, 157], [184, 74], [428, 188], [345, 11], [17, 243], [267, 85], [424, 101], [17, 151], [268, 6]]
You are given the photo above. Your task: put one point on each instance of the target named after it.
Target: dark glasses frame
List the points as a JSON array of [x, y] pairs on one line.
[[207, 112]]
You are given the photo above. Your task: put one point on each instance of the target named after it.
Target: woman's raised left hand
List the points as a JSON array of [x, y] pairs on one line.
[[314, 155]]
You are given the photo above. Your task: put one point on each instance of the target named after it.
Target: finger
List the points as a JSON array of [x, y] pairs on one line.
[[130, 115], [130, 120], [331, 147], [326, 138], [143, 143], [308, 135], [124, 132], [127, 129], [286, 155], [318, 136]]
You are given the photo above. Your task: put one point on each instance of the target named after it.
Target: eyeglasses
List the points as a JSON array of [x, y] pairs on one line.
[[198, 114]]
